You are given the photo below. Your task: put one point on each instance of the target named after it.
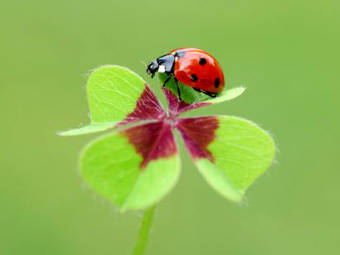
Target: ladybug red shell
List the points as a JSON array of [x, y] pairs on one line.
[[192, 67]]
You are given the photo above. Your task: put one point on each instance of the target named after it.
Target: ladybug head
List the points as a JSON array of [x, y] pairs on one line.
[[152, 68], [163, 64]]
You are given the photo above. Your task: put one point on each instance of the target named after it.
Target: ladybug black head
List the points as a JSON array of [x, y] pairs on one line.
[[163, 64], [152, 68]]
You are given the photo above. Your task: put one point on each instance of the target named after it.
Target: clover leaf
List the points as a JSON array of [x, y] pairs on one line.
[[137, 166], [113, 93]]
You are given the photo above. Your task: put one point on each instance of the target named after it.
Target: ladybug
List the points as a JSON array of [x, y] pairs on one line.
[[192, 67]]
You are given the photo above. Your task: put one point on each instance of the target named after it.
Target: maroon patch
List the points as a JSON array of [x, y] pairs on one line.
[[148, 107], [177, 107], [197, 134], [152, 141]]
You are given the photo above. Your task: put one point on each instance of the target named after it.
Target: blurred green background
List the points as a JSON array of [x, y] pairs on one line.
[[285, 52]]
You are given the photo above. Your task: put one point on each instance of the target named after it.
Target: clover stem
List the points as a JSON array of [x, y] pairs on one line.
[[144, 231]]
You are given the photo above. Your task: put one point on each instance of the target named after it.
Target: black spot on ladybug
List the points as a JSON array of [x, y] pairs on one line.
[[217, 82], [180, 53], [193, 77], [203, 61]]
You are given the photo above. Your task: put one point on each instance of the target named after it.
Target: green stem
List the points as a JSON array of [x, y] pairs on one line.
[[144, 231]]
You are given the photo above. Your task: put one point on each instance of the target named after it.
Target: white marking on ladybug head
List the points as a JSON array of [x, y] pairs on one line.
[[161, 69], [176, 58]]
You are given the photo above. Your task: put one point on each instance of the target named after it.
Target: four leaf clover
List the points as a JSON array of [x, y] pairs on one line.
[[137, 163]]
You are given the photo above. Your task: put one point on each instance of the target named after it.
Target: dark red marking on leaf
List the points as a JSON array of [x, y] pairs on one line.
[[152, 141], [177, 107], [148, 107], [197, 134]]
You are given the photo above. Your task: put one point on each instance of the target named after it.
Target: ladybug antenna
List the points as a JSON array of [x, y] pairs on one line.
[[144, 63]]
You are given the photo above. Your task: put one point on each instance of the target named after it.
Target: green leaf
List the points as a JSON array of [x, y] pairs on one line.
[[219, 180], [230, 152], [242, 151], [116, 95], [113, 166], [226, 95], [92, 128], [113, 92]]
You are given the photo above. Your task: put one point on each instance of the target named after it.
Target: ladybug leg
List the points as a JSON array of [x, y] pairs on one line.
[[166, 81], [176, 81], [178, 90], [211, 94]]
